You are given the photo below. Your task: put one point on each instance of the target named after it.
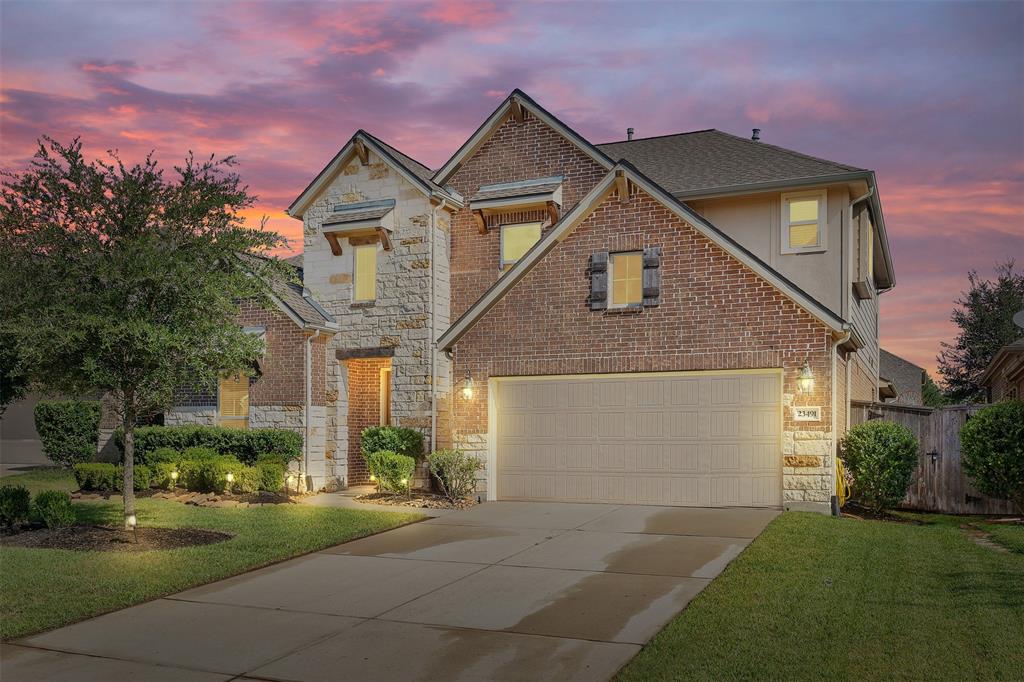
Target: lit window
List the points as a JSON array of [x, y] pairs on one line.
[[233, 402], [365, 277], [626, 271], [803, 221], [516, 240]]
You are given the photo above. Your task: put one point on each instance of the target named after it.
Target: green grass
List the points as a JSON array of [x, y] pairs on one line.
[[37, 480], [45, 588], [819, 598]]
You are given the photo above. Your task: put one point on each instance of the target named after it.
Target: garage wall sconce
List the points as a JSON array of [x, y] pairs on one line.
[[467, 386], [805, 382]]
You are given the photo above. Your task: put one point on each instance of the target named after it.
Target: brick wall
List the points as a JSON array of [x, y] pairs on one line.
[[715, 314], [513, 152], [363, 410], [284, 364]]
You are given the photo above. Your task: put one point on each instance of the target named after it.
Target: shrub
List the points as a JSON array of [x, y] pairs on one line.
[[246, 444], [53, 508], [68, 429], [992, 447], [396, 439], [163, 456], [98, 476], [141, 477], [199, 454], [14, 504], [455, 472], [208, 475], [881, 456], [271, 475], [161, 475], [247, 480], [392, 470]]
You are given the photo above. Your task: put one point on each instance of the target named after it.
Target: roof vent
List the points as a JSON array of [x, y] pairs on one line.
[[756, 135], [629, 134]]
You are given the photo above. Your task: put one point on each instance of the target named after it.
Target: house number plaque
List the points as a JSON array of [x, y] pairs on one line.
[[807, 414]]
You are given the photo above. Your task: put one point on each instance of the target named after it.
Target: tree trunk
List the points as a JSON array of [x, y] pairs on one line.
[[128, 486]]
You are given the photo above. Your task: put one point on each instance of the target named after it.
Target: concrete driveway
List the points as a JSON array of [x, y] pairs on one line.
[[506, 591]]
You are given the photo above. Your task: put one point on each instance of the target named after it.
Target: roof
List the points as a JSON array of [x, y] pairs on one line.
[[363, 210], [294, 299], [891, 360], [1010, 350], [517, 189], [686, 163], [578, 214], [295, 260]]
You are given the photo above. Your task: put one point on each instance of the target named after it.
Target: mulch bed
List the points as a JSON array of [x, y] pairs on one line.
[[257, 499], [852, 510], [421, 499], [104, 539]]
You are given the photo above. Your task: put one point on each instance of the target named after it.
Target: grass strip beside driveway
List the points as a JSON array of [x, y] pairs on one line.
[[45, 588], [817, 598]]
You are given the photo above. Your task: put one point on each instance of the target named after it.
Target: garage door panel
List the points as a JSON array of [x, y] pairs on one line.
[[651, 439]]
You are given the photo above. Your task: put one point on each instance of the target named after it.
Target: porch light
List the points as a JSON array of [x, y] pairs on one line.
[[805, 382], [467, 387]]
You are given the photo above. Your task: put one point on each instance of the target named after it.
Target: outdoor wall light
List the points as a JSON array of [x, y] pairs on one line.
[[805, 382], [467, 386]]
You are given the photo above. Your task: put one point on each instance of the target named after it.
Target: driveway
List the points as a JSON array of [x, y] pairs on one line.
[[505, 590]]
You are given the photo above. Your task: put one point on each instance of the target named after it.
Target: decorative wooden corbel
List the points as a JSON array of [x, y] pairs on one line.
[[361, 152], [481, 224], [385, 239], [622, 186], [332, 239], [517, 111], [552, 211]]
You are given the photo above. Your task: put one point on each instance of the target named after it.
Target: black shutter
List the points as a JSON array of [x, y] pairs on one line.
[[652, 276], [599, 280]]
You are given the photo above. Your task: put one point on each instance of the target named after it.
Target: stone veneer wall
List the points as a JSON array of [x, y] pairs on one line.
[[399, 319]]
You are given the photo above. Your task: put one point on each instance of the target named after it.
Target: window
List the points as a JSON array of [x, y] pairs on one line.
[[626, 272], [365, 273], [233, 402], [516, 240], [803, 221], [385, 396]]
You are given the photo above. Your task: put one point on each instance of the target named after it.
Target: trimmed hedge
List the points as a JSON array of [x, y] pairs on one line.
[[392, 470], [245, 444], [68, 429], [109, 478], [992, 443], [53, 508], [14, 504], [881, 456], [271, 475], [397, 439]]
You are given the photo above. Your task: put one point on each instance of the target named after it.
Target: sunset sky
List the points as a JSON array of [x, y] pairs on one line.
[[930, 95]]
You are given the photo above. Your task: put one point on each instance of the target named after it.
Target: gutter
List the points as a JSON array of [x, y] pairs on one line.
[[835, 440], [433, 328], [304, 463]]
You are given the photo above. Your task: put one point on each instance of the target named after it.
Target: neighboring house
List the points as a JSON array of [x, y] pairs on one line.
[[900, 381], [1004, 377], [676, 320]]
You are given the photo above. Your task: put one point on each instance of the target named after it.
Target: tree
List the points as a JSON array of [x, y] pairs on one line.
[[13, 378], [992, 442], [120, 281], [931, 395], [984, 314]]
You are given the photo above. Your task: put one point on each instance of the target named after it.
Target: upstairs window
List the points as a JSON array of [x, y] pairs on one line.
[[516, 240], [364, 273], [233, 402], [626, 272], [803, 221]]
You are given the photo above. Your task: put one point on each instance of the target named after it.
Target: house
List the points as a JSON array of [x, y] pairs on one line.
[[900, 381], [1003, 379], [677, 320]]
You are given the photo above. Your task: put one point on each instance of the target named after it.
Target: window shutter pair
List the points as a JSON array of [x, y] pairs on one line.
[[651, 278]]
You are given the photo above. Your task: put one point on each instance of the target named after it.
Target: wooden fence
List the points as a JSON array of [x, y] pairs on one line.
[[939, 484]]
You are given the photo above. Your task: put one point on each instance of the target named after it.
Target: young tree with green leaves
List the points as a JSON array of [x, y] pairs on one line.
[[931, 394], [123, 280], [984, 314]]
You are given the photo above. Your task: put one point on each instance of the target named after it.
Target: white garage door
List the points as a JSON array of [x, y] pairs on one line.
[[686, 438]]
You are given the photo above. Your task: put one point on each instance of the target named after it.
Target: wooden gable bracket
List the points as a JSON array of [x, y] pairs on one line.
[[517, 111], [552, 212], [361, 152], [332, 239], [622, 186], [481, 224], [356, 239]]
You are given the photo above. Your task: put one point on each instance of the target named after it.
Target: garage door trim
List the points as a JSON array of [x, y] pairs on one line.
[[492, 407]]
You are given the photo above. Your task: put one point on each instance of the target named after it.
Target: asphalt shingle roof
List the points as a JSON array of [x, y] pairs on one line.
[[341, 218], [294, 296], [517, 189], [709, 159]]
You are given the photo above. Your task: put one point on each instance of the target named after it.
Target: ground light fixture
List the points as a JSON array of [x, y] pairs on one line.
[[805, 382], [174, 475], [133, 523], [467, 386]]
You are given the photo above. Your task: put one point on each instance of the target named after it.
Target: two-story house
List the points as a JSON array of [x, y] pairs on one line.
[[678, 320]]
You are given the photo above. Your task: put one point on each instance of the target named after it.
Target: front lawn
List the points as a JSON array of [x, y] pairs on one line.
[[819, 598], [45, 588]]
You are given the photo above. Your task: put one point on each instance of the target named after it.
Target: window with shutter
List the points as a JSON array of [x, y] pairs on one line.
[[652, 276], [233, 402], [599, 280], [625, 270]]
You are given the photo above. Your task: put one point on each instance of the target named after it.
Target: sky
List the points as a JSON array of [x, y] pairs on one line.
[[930, 95]]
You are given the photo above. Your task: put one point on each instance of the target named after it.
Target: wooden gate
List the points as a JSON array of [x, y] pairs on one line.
[[939, 484]]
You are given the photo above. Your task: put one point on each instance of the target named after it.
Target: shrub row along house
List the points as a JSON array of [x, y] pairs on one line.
[[677, 320]]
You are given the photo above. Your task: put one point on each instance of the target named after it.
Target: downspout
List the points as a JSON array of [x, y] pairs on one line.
[[835, 440], [433, 328], [304, 468]]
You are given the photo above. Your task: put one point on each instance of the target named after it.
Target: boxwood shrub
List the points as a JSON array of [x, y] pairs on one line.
[[14, 504], [882, 457], [245, 444], [108, 478], [53, 508], [68, 429], [397, 439], [271, 475], [392, 470], [992, 443]]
